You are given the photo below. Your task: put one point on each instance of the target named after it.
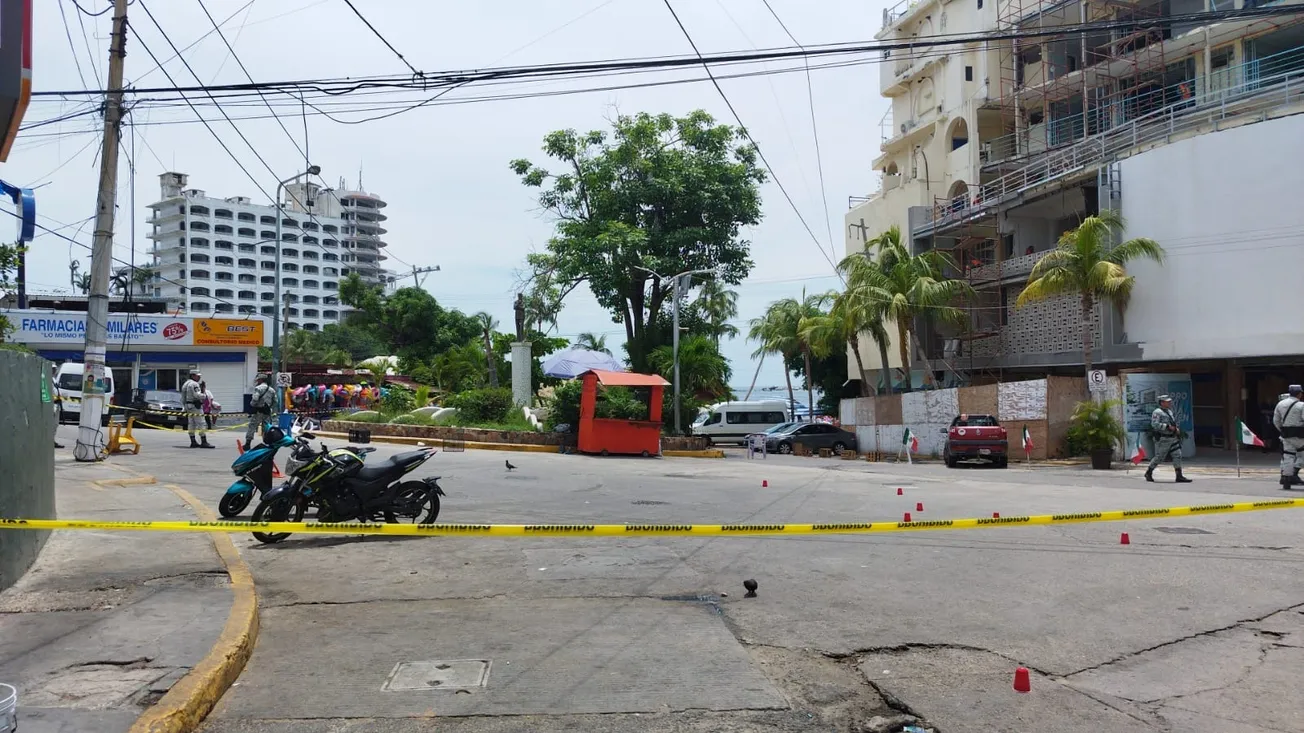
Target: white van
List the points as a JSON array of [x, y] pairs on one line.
[[732, 422], [69, 379]]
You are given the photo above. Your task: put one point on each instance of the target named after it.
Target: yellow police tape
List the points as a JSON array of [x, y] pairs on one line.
[[646, 530]]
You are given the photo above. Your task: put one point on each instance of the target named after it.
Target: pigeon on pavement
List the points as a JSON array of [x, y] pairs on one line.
[[751, 587], [510, 467]]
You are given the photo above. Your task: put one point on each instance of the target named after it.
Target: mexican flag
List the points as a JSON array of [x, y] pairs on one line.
[[910, 442], [1138, 453], [1246, 435], [1027, 440]]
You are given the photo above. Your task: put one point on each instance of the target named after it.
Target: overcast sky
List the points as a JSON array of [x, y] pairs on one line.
[[443, 169]]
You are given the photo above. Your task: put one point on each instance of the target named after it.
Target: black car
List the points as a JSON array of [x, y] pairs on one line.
[[160, 407], [812, 435]]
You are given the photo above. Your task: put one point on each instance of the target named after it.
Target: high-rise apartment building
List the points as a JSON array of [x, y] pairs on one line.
[[217, 256], [1182, 115]]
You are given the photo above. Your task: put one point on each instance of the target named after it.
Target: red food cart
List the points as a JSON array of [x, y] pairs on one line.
[[610, 435]]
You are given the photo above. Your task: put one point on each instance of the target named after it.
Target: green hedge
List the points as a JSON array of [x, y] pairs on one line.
[[482, 405]]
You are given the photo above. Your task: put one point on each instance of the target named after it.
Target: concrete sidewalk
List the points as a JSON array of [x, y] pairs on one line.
[[106, 623]]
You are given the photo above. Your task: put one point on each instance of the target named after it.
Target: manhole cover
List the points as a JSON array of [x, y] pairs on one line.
[[1182, 530], [649, 502], [437, 674]]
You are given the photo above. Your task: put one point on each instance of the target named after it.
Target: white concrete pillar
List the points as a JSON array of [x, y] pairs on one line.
[[522, 359]]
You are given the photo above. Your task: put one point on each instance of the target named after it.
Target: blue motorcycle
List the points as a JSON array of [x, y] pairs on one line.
[[254, 467]]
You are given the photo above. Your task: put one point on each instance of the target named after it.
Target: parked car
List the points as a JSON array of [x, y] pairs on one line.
[[976, 437], [732, 422], [157, 407], [811, 435]]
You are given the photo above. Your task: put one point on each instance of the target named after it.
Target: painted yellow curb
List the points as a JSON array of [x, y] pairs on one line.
[[708, 453], [133, 481], [184, 706]]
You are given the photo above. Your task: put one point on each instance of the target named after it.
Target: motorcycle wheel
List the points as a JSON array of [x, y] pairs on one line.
[[232, 504], [414, 503], [280, 509]]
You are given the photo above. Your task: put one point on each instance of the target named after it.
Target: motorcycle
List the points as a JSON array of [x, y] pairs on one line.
[[343, 487], [254, 468]]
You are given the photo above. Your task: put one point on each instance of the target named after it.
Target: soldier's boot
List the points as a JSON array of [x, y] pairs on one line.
[[193, 442], [1182, 479], [1150, 474], [203, 442], [1295, 480]]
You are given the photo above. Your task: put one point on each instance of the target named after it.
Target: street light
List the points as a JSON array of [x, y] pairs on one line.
[[276, 320], [685, 278]]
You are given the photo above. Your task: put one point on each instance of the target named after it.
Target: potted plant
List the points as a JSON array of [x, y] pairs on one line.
[[1094, 429]]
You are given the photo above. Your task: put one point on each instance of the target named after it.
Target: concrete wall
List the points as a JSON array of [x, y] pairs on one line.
[[1225, 206], [27, 460]]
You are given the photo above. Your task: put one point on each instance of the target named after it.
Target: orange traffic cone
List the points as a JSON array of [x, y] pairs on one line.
[[919, 506], [239, 446], [765, 484], [900, 492], [1022, 680], [906, 518], [1123, 539], [996, 515]]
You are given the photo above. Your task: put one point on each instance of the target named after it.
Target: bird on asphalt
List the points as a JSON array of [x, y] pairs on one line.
[[751, 587], [510, 467]]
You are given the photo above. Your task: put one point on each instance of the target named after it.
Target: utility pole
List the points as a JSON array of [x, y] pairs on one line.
[[674, 349], [416, 272], [97, 309]]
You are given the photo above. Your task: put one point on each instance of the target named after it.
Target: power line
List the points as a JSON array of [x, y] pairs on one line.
[[383, 40], [749, 137], [67, 29], [425, 81], [814, 128], [84, 11]]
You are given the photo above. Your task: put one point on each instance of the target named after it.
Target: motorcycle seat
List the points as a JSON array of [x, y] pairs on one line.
[[393, 464]]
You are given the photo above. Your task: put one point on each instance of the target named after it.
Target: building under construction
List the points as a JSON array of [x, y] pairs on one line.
[[1182, 115]]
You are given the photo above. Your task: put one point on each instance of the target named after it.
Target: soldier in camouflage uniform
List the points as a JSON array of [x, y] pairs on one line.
[[1288, 418], [1168, 439]]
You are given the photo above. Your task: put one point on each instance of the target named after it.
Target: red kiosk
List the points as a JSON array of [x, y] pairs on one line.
[[607, 435]]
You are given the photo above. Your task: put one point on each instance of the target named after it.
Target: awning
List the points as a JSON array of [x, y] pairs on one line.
[[627, 379]]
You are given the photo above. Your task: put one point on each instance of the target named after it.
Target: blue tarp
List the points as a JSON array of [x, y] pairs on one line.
[[575, 361]]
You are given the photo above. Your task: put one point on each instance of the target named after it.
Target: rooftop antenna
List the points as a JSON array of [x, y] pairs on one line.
[[360, 188]]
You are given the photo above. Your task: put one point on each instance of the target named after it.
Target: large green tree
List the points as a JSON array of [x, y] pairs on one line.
[[409, 321], [1086, 264], [660, 192], [718, 305]]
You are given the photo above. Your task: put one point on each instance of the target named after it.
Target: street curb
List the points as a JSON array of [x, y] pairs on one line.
[[515, 447], [189, 701]]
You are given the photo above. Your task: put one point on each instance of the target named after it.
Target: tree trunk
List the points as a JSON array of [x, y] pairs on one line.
[[903, 343], [792, 400], [925, 365], [810, 389], [490, 361], [887, 370], [756, 374], [1087, 308], [860, 365]]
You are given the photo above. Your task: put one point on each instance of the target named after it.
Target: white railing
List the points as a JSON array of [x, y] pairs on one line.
[[1250, 97]]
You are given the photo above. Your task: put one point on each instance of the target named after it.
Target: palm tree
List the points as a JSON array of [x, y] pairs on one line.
[[592, 342], [909, 287], [702, 368], [853, 312], [84, 282], [128, 280], [458, 368], [862, 305], [718, 305], [488, 324], [779, 332], [1084, 264], [301, 347]]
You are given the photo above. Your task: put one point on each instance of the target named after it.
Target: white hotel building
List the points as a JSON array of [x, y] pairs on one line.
[[217, 257]]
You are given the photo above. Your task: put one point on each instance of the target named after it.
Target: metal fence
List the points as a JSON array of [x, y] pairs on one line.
[[27, 458]]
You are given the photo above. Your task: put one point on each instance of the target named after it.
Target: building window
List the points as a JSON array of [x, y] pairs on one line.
[[310, 269], [199, 242], [980, 4], [959, 134], [289, 267], [330, 314], [290, 282], [309, 312], [224, 293], [330, 286], [223, 244], [267, 220], [312, 284], [330, 271], [309, 254], [247, 232], [247, 248], [330, 300], [199, 226], [199, 307], [246, 262], [242, 216], [199, 258], [310, 299], [293, 311], [247, 310], [245, 277], [222, 229], [330, 228], [289, 253], [199, 210], [248, 295], [269, 296], [310, 226], [268, 266], [223, 308], [224, 261], [267, 280], [287, 237], [268, 310], [267, 251], [309, 239], [328, 257], [968, 73], [199, 291], [289, 223], [223, 276]]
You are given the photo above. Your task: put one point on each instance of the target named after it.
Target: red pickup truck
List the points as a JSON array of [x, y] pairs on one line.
[[976, 436]]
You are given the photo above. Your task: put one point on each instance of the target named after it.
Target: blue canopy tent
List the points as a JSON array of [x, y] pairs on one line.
[[575, 361]]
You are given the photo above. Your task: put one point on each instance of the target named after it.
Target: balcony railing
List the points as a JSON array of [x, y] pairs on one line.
[[1102, 118], [1249, 97]]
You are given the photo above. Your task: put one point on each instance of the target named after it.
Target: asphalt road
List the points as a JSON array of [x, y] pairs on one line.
[[1197, 625]]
